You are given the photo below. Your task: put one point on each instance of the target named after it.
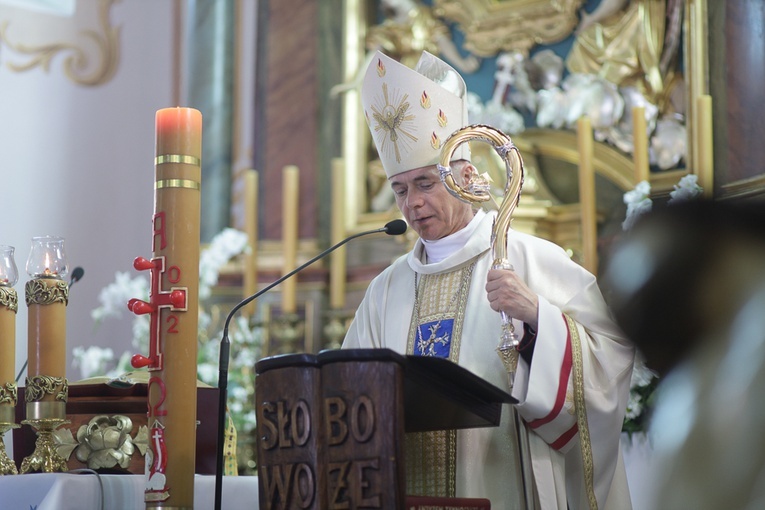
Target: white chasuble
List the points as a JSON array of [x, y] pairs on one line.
[[571, 397]]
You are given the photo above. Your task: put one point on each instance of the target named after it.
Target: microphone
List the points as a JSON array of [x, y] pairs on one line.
[[392, 228], [77, 274]]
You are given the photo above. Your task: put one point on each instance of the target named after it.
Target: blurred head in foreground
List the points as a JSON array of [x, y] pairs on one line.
[[689, 288], [683, 272]]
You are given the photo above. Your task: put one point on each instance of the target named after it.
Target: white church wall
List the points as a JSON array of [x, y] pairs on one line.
[[77, 160]]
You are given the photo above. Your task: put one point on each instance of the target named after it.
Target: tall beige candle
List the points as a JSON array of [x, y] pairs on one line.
[[640, 143], [8, 400], [705, 138], [46, 332], [8, 308], [174, 300], [290, 198], [587, 194], [9, 305], [46, 386], [250, 284], [337, 271]]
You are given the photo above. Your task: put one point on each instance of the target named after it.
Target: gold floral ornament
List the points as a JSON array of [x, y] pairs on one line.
[[38, 293], [40, 385], [9, 394], [104, 443], [9, 298], [86, 41]]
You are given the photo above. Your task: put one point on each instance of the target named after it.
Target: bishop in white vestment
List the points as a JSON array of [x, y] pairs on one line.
[[572, 380]]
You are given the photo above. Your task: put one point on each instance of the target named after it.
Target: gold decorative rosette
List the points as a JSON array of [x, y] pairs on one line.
[[38, 292], [9, 298], [8, 394], [39, 386]]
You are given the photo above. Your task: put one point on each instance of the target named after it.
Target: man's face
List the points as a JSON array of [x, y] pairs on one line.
[[427, 205]]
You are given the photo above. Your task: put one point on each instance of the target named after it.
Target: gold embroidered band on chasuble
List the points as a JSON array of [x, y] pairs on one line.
[[436, 330]]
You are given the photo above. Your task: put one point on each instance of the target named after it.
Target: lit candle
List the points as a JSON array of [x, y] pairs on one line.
[[174, 299], [290, 197], [587, 195], [250, 285], [46, 332], [9, 303], [47, 295], [337, 278], [705, 165], [640, 144], [8, 308]]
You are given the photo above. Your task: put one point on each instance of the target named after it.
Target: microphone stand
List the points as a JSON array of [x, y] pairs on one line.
[[395, 227]]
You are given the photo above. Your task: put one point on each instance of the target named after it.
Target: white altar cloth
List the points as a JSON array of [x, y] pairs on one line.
[[69, 491]]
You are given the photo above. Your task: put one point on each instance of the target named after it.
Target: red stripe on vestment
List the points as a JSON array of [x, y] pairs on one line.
[[565, 373], [565, 438]]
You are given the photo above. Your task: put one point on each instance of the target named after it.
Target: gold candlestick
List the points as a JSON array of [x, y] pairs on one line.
[[47, 388], [174, 309], [587, 195], [337, 277], [251, 228], [705, 144], [290, 197], [9, 304], [640, 145]]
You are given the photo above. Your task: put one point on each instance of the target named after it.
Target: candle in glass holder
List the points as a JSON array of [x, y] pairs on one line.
[[47, 295], [9, 303]]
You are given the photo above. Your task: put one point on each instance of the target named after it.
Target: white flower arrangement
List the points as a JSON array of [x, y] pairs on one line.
[[245, 341], [638, 202]]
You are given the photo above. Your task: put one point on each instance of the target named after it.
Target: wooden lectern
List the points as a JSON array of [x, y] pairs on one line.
[[331, 426]]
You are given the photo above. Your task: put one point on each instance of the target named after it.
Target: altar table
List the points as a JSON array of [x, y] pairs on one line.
[[70, 491]]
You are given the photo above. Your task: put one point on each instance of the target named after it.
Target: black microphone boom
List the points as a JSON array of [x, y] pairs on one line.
[[393, 228]]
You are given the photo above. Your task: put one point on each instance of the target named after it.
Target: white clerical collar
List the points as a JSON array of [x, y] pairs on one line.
[[438, 250]]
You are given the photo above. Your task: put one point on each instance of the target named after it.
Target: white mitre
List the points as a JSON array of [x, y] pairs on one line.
[[411, 113]]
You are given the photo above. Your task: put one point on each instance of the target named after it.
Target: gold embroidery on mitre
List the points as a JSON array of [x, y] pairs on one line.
[[380, 68], [394, 121], [442, 120], [425, 100], [435, 141]]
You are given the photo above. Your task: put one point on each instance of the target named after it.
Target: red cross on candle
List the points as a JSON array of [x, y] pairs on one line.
[[174, 299]]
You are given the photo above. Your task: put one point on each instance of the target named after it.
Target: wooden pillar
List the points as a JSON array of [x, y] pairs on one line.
[[286, 107]]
